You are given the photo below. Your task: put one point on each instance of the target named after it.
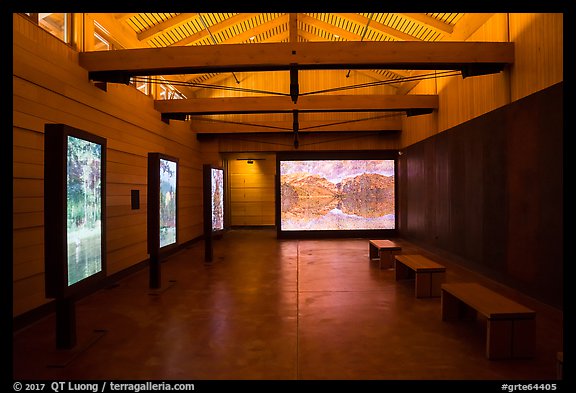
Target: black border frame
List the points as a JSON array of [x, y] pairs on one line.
[[336, 155], [153, 201], [209, 232], [55, 210]]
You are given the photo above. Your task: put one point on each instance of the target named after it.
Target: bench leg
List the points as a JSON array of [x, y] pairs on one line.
[[428, 284], [373, 251], [453, 309], [423, 284], [403, 272], [510, 338], [436, 281], [387, 259], [450, 306], [523, 343]]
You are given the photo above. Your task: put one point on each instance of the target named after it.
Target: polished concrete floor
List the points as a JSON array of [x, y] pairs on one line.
[[269, 309]]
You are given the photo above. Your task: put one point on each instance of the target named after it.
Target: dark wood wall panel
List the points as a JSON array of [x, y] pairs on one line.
[[489, 192], [535, 167]]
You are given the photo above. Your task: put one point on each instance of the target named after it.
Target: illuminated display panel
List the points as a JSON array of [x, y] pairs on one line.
[[74, 209], [336, 194], [167, 208], [217, 199], [84, 208]]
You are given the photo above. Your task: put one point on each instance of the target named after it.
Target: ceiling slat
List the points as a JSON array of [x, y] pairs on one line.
[[216, 28], [432, 23], [166, 25], [397, 34]]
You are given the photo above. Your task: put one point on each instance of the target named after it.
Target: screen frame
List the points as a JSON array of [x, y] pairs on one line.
[[207, 198], [209, 231], [336, 155], [55, 212], [154, 202]]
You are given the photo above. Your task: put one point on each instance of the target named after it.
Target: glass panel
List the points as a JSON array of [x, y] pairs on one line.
[[217, 199], [55, 23], [100, 43], [84, 209], [167, 202]]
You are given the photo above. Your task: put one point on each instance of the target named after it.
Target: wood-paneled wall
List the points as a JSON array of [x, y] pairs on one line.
[[50, 87], [538, 45], [490, 192], [251, 189]]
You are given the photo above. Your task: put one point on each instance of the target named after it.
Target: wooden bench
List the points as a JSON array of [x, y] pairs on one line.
[[427, 274], [385, 251], [560, 365], [510, 326]]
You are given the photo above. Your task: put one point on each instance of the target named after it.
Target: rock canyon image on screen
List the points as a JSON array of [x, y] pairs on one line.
[[337, 195]]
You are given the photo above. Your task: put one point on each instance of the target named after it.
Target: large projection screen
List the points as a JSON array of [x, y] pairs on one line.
[[75, 184], [337, 194]]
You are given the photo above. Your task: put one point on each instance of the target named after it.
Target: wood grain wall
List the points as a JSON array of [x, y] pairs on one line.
[[538, 63], [251, 189], [50, 87], [489, 191]]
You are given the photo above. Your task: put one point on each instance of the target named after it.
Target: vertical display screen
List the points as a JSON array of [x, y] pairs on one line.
[[337, 195], [217, 180], [83, 208], [167, 202]]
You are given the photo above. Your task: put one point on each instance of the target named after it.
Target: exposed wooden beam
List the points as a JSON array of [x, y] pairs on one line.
[[311, 103], [204, 126], [434, 24], [314, 38], [307, 55], [362, 20], [293, 27], [122, 16], [406, 87], [225, 24], [465, 27], [334, 30], [168, 24], [257, 30]]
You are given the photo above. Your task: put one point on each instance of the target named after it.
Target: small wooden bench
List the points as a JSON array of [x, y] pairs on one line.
[[427, 274], [511, 327], [385, 251]]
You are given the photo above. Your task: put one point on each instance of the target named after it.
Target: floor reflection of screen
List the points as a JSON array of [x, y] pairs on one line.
[[217, 199], [84, 208], [167, 202], [337, 195]]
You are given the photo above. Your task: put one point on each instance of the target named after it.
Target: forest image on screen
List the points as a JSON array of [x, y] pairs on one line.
[[83, 209], [167, 202], [337, 195], [217, 199]]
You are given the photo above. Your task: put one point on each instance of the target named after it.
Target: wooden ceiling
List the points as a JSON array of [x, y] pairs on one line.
[[208, 55]]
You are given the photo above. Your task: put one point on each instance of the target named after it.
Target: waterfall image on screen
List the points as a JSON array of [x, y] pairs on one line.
[[217, 199], [337, 195], [83, 209], [167, 202]]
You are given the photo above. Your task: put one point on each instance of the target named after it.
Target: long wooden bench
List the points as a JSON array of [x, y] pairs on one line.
[[511, 327], [385, 251], [427, 274]]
